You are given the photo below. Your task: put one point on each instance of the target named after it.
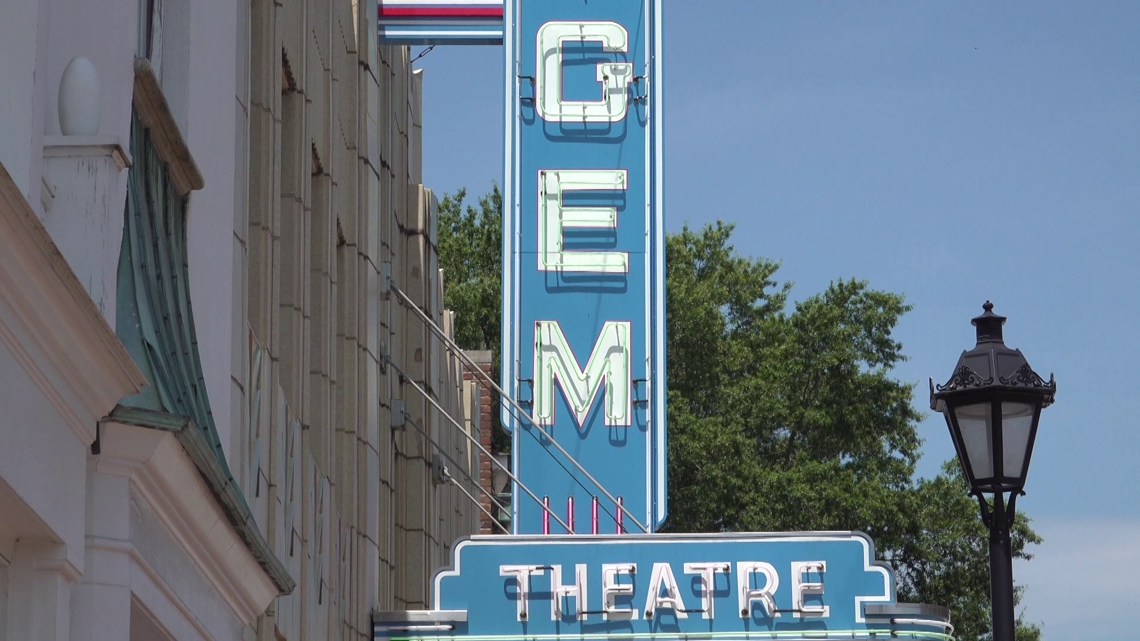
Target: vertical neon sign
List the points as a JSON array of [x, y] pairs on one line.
[[583, 330]]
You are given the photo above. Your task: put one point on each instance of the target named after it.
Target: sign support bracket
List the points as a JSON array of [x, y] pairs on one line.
[[510, 401]]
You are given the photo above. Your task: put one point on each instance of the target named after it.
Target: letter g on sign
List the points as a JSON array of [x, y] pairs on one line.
[[614, 76]]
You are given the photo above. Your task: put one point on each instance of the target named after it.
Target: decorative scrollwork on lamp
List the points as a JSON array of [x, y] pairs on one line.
[[1026, 377], [963, 378]]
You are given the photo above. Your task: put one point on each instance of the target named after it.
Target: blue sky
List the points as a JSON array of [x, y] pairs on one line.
[[953, 152]]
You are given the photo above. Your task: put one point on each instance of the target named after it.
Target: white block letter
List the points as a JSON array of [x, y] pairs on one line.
[[663, 578], [522, 574], [554, 218], [576, 590], [609, 361], [614, 76], [611, 589], [708, 582], [764, 594], [801, 588]]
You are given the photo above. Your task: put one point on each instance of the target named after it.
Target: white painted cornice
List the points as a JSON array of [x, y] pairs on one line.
[[150, 585], [88, 147], [164, 477], [65, 568], [52, 326]]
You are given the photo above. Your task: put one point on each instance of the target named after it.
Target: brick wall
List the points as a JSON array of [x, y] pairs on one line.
[[486, 428]]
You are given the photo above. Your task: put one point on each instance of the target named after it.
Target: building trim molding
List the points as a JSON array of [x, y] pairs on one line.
[[147, 587], [63, 567], [218, 481], [168, 482], [51, 325], [155, 586], [88, 147]]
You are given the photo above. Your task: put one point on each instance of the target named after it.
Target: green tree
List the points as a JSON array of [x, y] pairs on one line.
[[820, 436], [778, 420], [785, 420], [470, 254], [945, 557]]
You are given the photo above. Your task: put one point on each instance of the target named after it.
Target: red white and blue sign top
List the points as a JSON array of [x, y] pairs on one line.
[[416, 22]]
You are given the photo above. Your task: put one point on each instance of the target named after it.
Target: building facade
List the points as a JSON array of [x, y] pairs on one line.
[[217, 420]]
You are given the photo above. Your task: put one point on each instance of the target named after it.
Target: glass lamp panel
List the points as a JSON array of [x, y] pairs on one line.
[[976, 428], [1016, 423]]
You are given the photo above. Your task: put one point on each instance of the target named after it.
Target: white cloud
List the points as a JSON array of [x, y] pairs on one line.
[[1083, 583]]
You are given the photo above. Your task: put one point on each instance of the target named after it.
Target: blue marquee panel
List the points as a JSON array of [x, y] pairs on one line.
[[814, 583]]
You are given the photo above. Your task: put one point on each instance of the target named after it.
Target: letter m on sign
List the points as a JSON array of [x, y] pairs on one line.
[[608, 365]]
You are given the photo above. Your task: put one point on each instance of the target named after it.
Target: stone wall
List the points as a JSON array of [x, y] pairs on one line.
[[355, 500], [294, 141]]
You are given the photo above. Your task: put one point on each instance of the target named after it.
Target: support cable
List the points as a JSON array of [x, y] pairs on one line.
[[404, 378], [577, 480], [490, 496], [422, 54], [459, 486], [421, 430], [504, 396]]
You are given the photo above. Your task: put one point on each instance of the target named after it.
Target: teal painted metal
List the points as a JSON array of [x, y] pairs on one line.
[[155, 318], [155, 321], [584, 270]]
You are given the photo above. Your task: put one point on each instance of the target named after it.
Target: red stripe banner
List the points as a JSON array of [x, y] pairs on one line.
[[441, 12]]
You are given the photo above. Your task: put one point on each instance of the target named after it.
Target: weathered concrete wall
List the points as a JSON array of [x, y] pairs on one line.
[[357, 509], [307, 135]]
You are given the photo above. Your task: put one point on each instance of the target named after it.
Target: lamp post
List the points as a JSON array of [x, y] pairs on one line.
[[992, 404]]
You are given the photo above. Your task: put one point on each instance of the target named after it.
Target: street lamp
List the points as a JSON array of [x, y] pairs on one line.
[[992, 404]]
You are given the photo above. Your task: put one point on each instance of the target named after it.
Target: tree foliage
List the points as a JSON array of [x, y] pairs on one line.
[[470, 253], [785, 420], [944, 559], [778, 420], [820, 436]]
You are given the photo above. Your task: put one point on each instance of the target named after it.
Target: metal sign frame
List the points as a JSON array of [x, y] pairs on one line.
[[430, 22]]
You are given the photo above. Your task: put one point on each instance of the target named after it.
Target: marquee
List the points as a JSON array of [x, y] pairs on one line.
[[724, 586]]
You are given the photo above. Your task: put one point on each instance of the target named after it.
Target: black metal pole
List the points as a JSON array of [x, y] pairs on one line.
[[1001, 571]]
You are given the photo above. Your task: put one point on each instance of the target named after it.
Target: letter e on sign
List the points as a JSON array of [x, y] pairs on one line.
[[554, 218]]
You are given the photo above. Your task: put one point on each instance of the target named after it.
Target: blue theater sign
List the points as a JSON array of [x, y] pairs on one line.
[[819, 585], [583, 345], [584, 338], [584, 366]]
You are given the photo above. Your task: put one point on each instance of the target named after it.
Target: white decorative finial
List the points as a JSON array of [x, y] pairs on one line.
[[79, 108]]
